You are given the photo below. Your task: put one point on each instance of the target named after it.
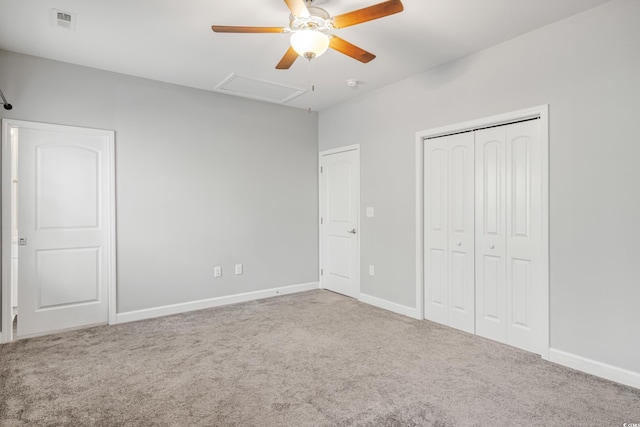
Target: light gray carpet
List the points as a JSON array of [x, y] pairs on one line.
[[310, 359]]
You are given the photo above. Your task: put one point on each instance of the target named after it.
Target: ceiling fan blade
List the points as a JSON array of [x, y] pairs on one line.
[[297, 8], [287, 60], [370, 13], [236, 29], [343, 46]]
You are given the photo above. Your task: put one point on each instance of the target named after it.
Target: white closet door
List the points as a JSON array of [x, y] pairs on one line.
[[436, 231], [461, 236], [490, 250], [523, 203], [449, 237], [508, 234]]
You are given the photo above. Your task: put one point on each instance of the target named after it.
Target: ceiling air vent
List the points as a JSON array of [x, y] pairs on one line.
[[63, 19]]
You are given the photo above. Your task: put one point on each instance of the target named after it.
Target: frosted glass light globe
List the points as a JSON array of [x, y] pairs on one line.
[[309, 43]]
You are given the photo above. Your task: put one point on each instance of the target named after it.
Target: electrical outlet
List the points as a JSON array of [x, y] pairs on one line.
[[372, 270], [238, 268], [217, 271]]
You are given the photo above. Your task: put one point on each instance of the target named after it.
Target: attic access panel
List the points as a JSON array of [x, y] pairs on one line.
[[262, 90]]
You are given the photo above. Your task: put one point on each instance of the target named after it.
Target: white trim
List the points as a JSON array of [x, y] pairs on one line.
[[527, 113], [150, 313], [542, 112], [390, 306], [420, 226], [320, 268], [545, 345], [594, 367], [6, 324], [354, 147], [112, 270], [7, 126], [340, 149]]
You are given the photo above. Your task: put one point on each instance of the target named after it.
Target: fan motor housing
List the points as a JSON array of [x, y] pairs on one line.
[[318, 19]]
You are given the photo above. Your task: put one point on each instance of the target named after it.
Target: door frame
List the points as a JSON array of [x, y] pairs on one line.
[[356, 148], [10, 129], [541, 112]]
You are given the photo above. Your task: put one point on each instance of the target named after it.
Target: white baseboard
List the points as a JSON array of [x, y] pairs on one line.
[[149, 313], [388, 305], [596, 368]]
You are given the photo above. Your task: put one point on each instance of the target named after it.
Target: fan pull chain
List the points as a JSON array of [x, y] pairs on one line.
[[311, 85]]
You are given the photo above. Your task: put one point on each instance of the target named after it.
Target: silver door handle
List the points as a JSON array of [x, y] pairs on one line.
[[22, 241], [352, 231]]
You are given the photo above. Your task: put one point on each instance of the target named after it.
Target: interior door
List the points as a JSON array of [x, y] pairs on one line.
[[449, 236], [491, 251], [339, 198], [523, 233], [508, 234], [461, 232], [64, 227], [436, 272]]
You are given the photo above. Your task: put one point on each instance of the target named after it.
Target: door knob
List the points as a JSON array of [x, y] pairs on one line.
[[492, 247], [352, 231], [459, 243]]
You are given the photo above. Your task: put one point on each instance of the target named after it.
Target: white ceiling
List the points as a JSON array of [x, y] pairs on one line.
[[171, 41]]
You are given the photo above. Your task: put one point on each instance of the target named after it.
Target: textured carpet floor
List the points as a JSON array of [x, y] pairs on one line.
[[310, 359]]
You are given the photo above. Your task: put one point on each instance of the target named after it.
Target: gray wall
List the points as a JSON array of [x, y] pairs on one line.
[[587, 68], [203, 179]]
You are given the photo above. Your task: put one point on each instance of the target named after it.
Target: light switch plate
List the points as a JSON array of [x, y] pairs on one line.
[[370, 212], [238, 268]]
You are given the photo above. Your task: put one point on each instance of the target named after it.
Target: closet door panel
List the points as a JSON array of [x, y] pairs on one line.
[[461, 234], [435, 230], [483, 225], [490, 229], [523, 219], [520, 301]]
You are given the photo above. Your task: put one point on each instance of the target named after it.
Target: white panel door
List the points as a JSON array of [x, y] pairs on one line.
[[523, 234], [449, 236], [340, 195], [436, 248], [461, 232], [508, 234], [491, 251], [64, 227]]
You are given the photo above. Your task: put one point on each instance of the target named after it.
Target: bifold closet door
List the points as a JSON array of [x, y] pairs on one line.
[[508, 227], [449, 235]]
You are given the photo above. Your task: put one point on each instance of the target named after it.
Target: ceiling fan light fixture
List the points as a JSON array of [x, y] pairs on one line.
[[309, 43]]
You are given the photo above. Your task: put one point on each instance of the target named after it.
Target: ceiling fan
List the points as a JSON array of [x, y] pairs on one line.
[[309, 26]]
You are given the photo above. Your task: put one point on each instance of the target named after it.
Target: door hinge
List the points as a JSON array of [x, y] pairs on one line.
[[320, 169], [321, 220], [321, 272]]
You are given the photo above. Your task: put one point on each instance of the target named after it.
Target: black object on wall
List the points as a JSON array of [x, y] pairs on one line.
[[7, 106]]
